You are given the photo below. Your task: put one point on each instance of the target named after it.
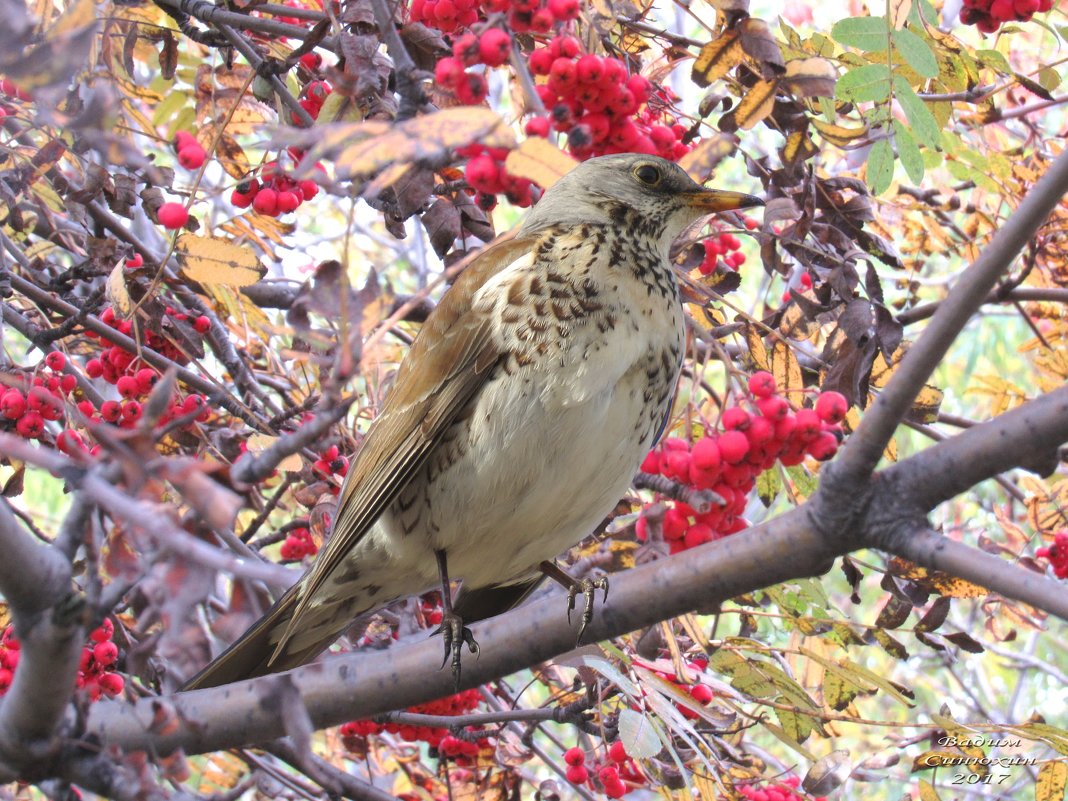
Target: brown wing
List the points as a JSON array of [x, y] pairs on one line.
[[448, 362]]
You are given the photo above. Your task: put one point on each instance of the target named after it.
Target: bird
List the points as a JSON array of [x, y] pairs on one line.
[[515, 422]]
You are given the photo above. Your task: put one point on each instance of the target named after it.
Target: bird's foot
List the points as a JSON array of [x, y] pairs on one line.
[[455, 634], [588, 588]]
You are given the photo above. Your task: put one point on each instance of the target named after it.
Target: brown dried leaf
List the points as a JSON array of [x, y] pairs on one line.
[[759, 43], [701, 162]]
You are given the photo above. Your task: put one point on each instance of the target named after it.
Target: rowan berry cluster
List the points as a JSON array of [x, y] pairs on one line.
[[298, 544], [786, 790], [989, 15], [96, 667], [486, 174], [1057, 553], [599, 106], [617, 776], [37, 400], [726, 249], [522, 15], [728, 462], [191, 154], [490, 48], [274, 192], [462, 750], [315, 94]]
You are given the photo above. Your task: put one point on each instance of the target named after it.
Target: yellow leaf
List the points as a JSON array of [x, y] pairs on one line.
[[928, 792], [211, 260], [787, 372], [838, 135], [1051, 781], [810, 77], [540, 161], [716, 58], [117, 293], [702, 161], [77, 15], [756, 105], [758, 354]]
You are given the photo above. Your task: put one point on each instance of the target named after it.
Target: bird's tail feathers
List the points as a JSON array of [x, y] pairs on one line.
[[253, 654]]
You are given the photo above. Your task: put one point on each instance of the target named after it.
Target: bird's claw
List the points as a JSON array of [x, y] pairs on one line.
[[455, 635], [588, 587]]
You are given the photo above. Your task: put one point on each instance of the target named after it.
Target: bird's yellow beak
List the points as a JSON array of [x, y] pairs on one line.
[[713, 200]]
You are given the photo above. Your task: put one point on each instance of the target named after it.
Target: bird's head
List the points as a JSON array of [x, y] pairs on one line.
[[632, 190]]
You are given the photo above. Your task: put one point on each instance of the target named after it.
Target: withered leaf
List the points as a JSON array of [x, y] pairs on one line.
[[442, 224], [701, 162], [810, 77], [759, 43], [756, 105], [717, 58]]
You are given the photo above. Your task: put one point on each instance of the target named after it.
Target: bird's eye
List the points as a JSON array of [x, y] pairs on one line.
[[648, 174]]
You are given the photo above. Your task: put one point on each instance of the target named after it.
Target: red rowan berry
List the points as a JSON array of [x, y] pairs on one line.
[[564, 10], [831, 407], [733, 446], [494, 47], [30, 425], [706, 455], [111, 683], [172, 215], [823, 447], [617, 752], [192, 156], [266, 202], [131, 411], [577, 774], [55, 361], [12, 404], [735, 418], [774, 407], [127, 386], [105, 653], [701, 693], [111, 411], [574, 756], [449, 72]]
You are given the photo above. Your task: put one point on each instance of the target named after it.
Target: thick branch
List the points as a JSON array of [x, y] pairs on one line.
[[866, 445], [33, 576], [1027, 436], [938, 552], [358, 685]]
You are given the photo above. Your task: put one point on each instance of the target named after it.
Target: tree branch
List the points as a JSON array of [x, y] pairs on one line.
[[937, 552]]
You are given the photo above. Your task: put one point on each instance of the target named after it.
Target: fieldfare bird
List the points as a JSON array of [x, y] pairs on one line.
[[515, 423]]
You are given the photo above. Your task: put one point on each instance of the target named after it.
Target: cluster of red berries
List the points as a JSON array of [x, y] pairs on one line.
[[1057, 553], [191, 154], [599, 106], [486, 174], [315, 94], [274, 192], [41, 399], [116, 361], [95, 669], [523, 15], [331, 463], [989, 15], [491, 48], [446, 744], [728, 462], [784, 791], [726, 249], [701, 693], [617, 776], [298, 544]]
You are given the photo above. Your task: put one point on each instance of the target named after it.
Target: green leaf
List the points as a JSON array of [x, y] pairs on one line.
[[864, 33], [768, 485], [920, 118], [994, 60], [916, 52], [870, 83], [909, 152], [804, 482], [880, 166], [638, 736]]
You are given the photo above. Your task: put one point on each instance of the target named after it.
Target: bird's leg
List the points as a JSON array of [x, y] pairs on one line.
[[452, 628], [587, 587]]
